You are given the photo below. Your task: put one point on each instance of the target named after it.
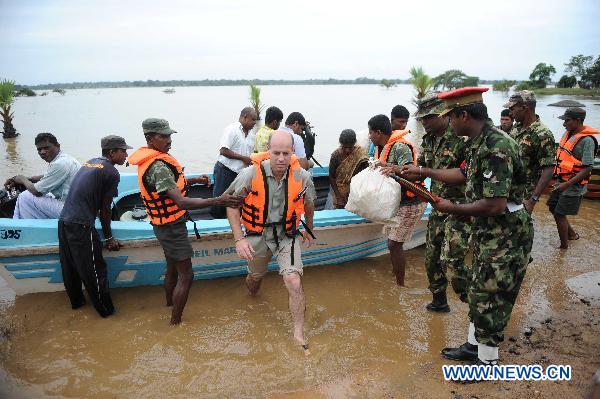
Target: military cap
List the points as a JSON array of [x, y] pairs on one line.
[[155, 125], [461, 97], [573, 113], [429, 105], [521, 97], [112, 142]]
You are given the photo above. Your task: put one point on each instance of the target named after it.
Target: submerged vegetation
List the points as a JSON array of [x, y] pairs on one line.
[[7, 97], [25, 92], [454, 79], [503, 85], [387, 83], [255, 100], [421, 82]]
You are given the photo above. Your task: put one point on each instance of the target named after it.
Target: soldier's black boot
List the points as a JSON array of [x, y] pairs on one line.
[[464, 352], [439, 303]]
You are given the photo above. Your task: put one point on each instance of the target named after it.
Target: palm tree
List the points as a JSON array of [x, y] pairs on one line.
[[7, 97], [420, 81], [255, 100]]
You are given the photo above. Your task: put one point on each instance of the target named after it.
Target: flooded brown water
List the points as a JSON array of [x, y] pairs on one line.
[[368, 337]]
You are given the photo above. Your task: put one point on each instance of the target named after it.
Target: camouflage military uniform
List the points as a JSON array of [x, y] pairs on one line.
[[160, 176], [502, 243], [447, 235], [536, 143]]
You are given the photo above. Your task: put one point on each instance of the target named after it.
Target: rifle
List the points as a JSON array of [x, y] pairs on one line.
[[416, 189]]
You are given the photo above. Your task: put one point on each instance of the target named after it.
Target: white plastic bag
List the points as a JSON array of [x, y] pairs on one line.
[[373, 196]]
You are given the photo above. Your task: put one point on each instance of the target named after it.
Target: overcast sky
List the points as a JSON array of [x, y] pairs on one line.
[[66, 41]]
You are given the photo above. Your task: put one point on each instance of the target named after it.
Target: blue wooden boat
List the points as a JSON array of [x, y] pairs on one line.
[[29, 260]]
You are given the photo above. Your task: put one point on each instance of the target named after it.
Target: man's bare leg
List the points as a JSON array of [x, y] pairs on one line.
[[572, 233], [252, 284], [185, 277], [562, 224], [170, 281], [297, 304], [398, 260]]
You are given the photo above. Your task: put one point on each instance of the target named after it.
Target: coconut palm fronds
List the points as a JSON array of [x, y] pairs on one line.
[[255, 100], [7, 97], [420, 81]]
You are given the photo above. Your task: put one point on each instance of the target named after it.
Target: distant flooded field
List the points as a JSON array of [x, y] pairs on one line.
[[81, 117]]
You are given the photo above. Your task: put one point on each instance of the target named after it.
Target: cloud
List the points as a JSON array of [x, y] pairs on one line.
[[63, 41]]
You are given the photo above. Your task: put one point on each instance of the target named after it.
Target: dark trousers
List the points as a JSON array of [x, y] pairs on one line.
[[223, 177], [81, 261]]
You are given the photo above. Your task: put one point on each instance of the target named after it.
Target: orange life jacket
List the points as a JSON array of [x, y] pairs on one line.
[[255, 210], [398, 137], [567, 166], [160, 208]]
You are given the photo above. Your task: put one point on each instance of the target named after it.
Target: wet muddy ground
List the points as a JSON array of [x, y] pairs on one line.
[[368, 337]]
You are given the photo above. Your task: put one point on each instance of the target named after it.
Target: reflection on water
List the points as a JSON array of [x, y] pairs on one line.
[[81, 117], [12, 153], [13, 162], [360, 326]]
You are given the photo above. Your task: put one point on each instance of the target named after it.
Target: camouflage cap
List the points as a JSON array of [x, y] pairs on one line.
[[429, 105], [112, 142], [573, 113], [521, 97], [155, 125]]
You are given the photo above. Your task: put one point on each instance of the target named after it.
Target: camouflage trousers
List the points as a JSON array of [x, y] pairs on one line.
[[501, 249], [446, 247]]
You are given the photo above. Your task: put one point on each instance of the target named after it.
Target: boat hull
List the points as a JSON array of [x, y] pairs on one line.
[[141, 261], [29, 260]]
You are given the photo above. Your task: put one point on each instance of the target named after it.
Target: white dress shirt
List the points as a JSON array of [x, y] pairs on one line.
[[236, 140]]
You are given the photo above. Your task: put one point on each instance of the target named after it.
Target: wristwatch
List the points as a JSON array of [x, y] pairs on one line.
[[535, 198]]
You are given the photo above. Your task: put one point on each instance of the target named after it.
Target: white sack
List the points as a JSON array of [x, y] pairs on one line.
[[373, 196]]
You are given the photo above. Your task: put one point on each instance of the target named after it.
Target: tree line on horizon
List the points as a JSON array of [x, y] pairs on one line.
[[584, 72], [26, 90], [581, 71], [204, 82]]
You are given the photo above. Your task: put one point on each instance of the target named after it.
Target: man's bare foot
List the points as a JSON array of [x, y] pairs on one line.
[[175, 321], [400, 281], [252, 285], [574, 237], [300, 340], [563, 247]]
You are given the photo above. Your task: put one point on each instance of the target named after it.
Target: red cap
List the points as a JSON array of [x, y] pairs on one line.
[[459, 97]]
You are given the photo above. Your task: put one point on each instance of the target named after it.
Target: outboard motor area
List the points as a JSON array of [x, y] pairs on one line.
[[137, 214], [8, 199]]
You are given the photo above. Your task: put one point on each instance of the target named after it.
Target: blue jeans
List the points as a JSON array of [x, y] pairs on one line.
[[223, 177]]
